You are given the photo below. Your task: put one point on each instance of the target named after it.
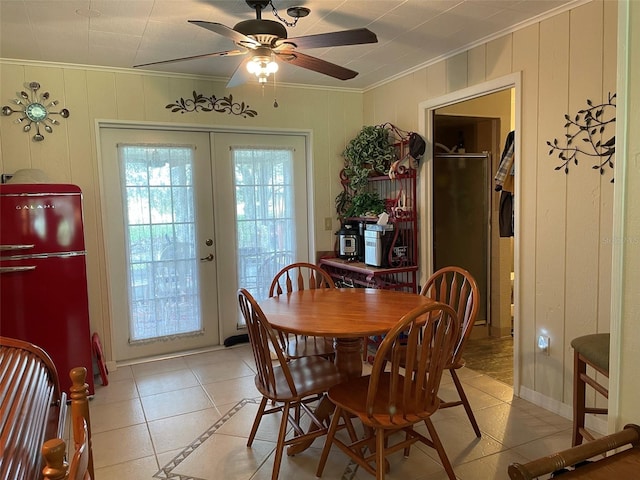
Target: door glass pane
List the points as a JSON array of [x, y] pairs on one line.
[[266, 230], [160, 236]]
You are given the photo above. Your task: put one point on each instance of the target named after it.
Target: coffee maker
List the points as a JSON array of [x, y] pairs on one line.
[[351, 241]]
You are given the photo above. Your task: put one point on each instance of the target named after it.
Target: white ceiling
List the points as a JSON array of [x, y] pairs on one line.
[[115, 33]]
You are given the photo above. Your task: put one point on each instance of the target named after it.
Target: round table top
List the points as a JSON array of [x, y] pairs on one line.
[[340, 312]]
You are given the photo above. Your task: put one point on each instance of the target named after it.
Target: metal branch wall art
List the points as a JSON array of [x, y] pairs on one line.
[[35, 109], [591, 132], [202, 103]]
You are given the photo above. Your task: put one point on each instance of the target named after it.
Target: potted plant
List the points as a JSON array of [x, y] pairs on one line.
[[363, 204], [370, 152]]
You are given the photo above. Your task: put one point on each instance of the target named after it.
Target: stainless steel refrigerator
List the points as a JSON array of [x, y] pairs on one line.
[[43, 282]]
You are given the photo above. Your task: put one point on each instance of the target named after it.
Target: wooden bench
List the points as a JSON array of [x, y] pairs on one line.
[[595, 460], [33, 414]]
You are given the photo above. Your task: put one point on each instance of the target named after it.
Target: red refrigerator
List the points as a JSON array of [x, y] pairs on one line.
[[43, 282]]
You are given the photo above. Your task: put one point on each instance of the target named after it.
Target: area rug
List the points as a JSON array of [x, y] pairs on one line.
[[172, 470]]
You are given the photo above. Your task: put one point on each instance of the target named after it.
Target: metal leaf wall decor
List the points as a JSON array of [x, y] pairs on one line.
[[592, 133], [202, 103]]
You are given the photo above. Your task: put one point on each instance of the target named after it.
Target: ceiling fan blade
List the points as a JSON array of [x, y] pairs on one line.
[[227, 53], [225, 31], [241, 74], [356, 36], [316, 64]]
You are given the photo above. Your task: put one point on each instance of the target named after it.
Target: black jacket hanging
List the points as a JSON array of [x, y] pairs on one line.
[[504, 185]]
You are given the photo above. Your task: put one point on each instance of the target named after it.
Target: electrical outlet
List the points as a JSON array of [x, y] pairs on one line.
[[327, 223], [543, 344]]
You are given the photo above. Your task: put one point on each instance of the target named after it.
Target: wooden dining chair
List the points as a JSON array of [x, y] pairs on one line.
[[295, 277], [390, 403], [457, 288], [290, 385]]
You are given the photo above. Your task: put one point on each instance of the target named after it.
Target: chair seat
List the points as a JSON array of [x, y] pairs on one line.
[[352, 395], [594, 348], [311, 375]]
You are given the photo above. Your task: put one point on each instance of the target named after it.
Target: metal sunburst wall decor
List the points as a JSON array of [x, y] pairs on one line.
[[591, 131], [35, 110], [200, 102]]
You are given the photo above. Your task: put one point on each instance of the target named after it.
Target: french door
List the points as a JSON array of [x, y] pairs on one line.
[[160, 241], [263, 220], [189, 218]]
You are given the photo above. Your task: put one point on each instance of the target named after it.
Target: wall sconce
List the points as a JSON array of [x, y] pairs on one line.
[[35, 110]]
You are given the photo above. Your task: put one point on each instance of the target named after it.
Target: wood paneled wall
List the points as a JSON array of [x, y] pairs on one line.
[[564, 267]]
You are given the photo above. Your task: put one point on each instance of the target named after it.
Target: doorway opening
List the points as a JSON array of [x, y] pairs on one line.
[[468, 131]]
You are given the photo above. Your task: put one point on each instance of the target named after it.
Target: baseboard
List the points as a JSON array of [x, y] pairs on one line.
[[596, 423], [111, 366], [496, 331]]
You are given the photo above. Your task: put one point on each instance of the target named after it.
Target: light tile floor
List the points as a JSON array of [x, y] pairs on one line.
[[189, 417]]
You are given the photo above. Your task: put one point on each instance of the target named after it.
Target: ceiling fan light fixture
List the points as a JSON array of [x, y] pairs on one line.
[[262, 66]]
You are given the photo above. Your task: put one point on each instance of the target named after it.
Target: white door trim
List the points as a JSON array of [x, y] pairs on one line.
[[425, 128]]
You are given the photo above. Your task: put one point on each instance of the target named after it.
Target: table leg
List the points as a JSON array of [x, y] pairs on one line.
[[349, 356]]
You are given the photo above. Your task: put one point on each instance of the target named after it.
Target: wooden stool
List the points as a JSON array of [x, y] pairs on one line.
[[592, 351]]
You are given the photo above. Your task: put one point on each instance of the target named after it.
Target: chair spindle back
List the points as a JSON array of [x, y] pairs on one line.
[[457, 288], [425, 338], [264, 343], [300, 276]]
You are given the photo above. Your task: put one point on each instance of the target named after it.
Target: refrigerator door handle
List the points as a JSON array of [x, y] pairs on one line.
[[17, 269], [16, 247]]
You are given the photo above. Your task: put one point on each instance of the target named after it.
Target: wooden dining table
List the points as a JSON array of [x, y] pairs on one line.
[[345, 314]]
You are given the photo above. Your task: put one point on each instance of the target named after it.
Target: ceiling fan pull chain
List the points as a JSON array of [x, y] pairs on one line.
[[275, 97]]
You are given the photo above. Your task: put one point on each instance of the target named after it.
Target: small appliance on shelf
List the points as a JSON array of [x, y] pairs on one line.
[[377, 241], [348, 242]]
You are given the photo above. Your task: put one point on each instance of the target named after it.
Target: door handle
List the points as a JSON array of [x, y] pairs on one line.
[[16, 247], [17, 269], [208, 258]]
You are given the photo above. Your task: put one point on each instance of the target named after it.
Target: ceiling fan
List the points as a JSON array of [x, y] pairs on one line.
[[265, 41]]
